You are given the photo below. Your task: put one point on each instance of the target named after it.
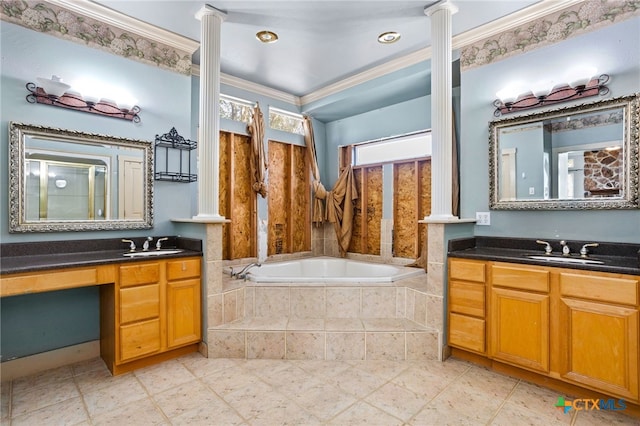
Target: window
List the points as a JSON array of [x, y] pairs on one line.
[[416, 145], [235, 109], [236, 199], [289, 200], [285, 121], [410, 157]]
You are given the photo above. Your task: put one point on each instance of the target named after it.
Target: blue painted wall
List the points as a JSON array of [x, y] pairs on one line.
[[613, 50], [38, 323]]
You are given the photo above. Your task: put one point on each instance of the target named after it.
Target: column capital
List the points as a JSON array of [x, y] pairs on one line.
[[440, 5], [210, 10]]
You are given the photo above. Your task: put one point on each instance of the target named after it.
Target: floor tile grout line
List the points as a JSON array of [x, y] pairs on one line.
[[32, 389], [451, 382], [84, 403], [206, 385], [504, 401]]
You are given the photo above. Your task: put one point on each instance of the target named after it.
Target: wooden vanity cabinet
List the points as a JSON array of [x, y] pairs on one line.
[[466, 314], [576, 326], [599, 335], [151, 313]]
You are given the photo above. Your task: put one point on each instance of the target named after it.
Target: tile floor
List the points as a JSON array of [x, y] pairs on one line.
[[193, 390]]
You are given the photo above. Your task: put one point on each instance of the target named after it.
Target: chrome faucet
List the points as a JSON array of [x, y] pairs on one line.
[[566, 251], [159, 242], [145, 246], [584, 251], [242, 275], [547, 247], [132, 245]]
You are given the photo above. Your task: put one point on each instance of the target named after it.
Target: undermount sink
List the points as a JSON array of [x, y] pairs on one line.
[[566, 259], [151, 253]]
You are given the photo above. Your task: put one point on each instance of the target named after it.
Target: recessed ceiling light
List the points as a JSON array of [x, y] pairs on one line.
[[267, 36], [388, 37]]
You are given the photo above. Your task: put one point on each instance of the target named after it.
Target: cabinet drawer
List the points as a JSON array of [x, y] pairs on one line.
[[467, 332], [600, 288], [466, 270], [183, 268], [520, 278], [139, 273], [139, 339], [467, 298], [138, 303]]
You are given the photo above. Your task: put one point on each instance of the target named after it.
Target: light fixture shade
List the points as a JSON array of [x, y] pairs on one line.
[[508, 94], [54, 86], [542, 88], [580, 76]]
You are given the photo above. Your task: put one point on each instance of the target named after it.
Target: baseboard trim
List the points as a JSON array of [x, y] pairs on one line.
[[33, 364]]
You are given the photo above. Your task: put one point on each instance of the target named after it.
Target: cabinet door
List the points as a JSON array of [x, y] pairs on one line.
[[519, 328], [183, 312], [600, 346]]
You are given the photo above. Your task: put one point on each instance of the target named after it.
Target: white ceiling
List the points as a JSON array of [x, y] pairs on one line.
[[321, 42]]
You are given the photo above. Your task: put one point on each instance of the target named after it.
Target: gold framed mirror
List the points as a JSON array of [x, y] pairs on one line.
[[574, 158], [66, 180]]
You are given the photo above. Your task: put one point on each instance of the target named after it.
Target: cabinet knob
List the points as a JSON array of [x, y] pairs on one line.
[[184, 266]]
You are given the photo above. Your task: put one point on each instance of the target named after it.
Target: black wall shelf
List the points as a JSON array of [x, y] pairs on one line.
[[173, 158]]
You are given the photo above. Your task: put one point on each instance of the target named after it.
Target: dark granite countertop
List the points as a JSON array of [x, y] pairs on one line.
[[621, 258], [48, 255]]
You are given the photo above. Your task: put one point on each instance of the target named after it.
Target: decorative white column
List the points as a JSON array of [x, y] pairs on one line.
[[441, 110], [209, 134]]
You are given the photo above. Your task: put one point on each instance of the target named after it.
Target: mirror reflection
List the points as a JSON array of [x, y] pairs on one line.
[[578, 157], [71, 180]]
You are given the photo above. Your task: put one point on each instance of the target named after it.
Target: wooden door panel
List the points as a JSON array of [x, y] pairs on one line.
[[183, 312], [520, 328], [600, 346]]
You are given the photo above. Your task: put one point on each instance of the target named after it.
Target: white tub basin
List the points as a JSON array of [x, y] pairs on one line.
[[151, 253], [567, 260]]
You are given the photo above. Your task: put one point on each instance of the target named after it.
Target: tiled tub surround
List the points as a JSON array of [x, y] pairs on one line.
[[339, 321]]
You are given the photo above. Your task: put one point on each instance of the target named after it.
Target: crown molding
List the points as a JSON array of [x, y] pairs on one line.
[[132, 25], [370, 74], [506, 23], [252, 87], [129, 24]]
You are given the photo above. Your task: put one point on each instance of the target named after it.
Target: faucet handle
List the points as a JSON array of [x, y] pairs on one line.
[[547, 247], [145, 246], [584, 251], [159, 242], [132, 245]]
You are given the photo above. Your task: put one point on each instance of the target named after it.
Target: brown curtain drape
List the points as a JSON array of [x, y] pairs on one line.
[[319, 191], [340, 208], [455, 170], [258, 162]]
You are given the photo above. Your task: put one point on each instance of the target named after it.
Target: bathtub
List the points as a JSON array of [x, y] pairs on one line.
[[329, 270]]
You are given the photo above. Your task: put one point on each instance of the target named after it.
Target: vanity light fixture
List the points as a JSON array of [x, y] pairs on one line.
[[516, 99], [54, 92], [388, 37], [267, 36]]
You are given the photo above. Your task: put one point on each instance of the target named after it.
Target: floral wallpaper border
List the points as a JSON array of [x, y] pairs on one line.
[[50, 19], [572, 21]]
